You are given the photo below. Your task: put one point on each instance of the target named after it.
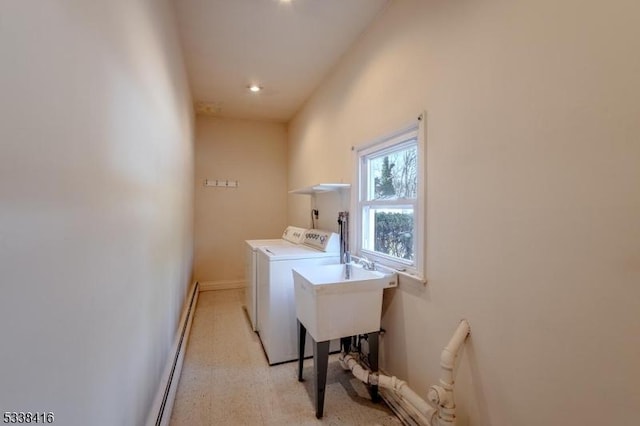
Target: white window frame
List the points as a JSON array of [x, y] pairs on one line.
[[392, 142]]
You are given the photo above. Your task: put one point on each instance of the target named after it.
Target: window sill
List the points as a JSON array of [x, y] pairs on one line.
[[414, 278]]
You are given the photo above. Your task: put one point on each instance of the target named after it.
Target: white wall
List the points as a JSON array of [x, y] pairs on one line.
[[96, 169], [255, 154], [533, 197], [328, 204]]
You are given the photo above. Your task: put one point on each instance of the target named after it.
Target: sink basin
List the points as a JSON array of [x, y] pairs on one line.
[[331, 306]]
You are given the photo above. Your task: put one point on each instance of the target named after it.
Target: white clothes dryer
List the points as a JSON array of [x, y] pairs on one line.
[[276, 297], [291, 236]]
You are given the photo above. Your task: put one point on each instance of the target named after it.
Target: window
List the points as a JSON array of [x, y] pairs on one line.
[[390, 201]]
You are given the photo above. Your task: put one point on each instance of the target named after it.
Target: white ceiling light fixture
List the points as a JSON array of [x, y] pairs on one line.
[[254, 88]]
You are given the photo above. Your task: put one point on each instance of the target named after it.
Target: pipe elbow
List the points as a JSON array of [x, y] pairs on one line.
[[450, 352], [436, 395], [447, 359], [350, 363]]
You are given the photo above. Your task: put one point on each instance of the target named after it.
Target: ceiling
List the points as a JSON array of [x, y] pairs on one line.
[[287, 48]]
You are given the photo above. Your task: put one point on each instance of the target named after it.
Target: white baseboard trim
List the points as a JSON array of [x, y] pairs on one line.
[[160, 413], [221, 285]]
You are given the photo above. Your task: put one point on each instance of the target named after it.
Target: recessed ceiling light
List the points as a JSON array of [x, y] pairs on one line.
[[255, 88]]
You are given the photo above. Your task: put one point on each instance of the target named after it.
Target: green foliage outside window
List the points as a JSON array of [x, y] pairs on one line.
[[394, 234], [384, 184]]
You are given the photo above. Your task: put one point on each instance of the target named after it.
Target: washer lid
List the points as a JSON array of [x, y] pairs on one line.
[[294, 252], [254, 244]]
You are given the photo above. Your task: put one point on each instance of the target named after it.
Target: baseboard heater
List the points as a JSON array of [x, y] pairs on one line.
[[401, 409], [160, 413]]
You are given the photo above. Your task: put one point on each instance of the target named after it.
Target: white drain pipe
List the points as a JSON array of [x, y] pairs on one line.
[[441, 396]]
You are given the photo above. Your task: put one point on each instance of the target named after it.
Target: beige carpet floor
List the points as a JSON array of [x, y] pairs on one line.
[[226, 380]]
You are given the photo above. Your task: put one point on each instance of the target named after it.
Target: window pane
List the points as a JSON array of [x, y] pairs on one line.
[[389, 231], [394, 174]]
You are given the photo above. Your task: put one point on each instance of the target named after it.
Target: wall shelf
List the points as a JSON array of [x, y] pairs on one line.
[[321, 187]]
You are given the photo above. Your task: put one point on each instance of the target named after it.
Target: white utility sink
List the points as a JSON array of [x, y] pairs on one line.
[[331, 306]]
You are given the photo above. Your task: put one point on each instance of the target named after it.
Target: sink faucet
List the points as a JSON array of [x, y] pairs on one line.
[[369, 265], [347, 265]]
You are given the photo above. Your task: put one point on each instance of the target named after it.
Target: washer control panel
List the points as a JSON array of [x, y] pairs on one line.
[[322, 240], [294, 234]]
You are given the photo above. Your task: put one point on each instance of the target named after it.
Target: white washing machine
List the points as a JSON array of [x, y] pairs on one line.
[[291, 236], [276, 297]]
